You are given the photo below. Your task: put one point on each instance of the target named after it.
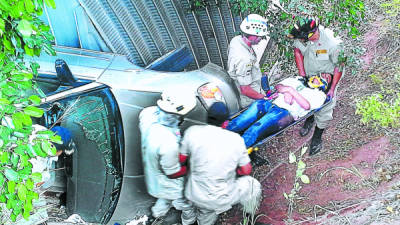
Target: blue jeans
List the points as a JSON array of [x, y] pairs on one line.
[[262, 118]]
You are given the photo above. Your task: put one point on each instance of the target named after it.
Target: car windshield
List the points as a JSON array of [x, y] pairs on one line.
[[95, 124]]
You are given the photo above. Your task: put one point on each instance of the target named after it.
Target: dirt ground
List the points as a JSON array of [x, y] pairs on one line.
[[355, 178]]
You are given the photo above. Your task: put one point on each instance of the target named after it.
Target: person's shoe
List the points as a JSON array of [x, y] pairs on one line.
[[257, 159], [307, 126], [316, 141]]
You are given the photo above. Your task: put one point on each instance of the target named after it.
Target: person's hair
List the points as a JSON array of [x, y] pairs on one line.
[[217, 114]]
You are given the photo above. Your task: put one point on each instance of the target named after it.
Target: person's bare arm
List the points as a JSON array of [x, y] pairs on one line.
[[335, 80], [250, 92], [299, 59], [296, 96]]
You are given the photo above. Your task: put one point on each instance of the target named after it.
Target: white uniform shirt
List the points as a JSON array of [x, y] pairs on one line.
[[214, 155], [320, 56], [315, 97], [160, 155], [244, 68]]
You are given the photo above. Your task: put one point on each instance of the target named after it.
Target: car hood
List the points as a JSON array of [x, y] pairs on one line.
[[156, 81]]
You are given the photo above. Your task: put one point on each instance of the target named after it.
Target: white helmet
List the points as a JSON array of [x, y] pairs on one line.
[[178, 102], [254, 24]]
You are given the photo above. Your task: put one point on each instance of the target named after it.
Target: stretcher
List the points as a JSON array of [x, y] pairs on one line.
[[270, 137]]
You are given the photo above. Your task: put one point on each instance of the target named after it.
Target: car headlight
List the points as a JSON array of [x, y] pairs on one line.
[[210, 93]]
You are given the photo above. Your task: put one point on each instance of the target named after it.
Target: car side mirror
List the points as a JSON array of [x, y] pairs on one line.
[[64, 74]]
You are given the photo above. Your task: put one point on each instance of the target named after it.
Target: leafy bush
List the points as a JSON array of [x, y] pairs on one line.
[[378, 112], [21, 33]]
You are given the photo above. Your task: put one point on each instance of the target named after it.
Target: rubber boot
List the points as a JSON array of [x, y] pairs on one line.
[[316, 141], [257, 159], [307, 126]]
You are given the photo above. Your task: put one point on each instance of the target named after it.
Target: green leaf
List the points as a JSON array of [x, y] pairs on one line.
[[26, 214], [30, 151], [5, 157], [10, 202], [29, 184], [24, 160], [21, 192], [3, 198], [304, 178], [303, 150], [56, 139], [33, 111], [17, 119], [25, 172], [14, 159], [299, 172], [4, 101], [36, 177], [50, 3], [2, 27], [4, 5], [1, 179], [34, 99], [29, 51], [10, 174], [27, 120], [49, 148], [38, 150], [24, 85], [285, 195], [28, 203], [11, 187], [20, 150], [13, 217], [45, 134], [25, 28], [292, 158], [10, 109], [18, 77], [9, 91], [301, 165], [30, 8]]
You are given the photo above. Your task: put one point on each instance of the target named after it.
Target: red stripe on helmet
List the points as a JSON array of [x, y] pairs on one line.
[[312, 24]]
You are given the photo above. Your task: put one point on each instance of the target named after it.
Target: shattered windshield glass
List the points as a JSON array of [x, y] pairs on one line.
[[95, 124], [92, 115]]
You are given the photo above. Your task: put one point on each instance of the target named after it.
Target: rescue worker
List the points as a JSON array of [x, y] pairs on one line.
[[160, 137], [243, 67], [317, 53], [217, 157]]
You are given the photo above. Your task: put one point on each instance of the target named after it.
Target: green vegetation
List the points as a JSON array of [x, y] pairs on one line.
[[22, 34], [301, 167], [382, 109]]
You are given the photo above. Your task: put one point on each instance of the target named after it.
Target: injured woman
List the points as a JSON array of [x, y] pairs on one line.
[[292, 100]]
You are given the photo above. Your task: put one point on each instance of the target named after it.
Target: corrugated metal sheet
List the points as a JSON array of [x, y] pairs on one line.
[[144, 30]]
